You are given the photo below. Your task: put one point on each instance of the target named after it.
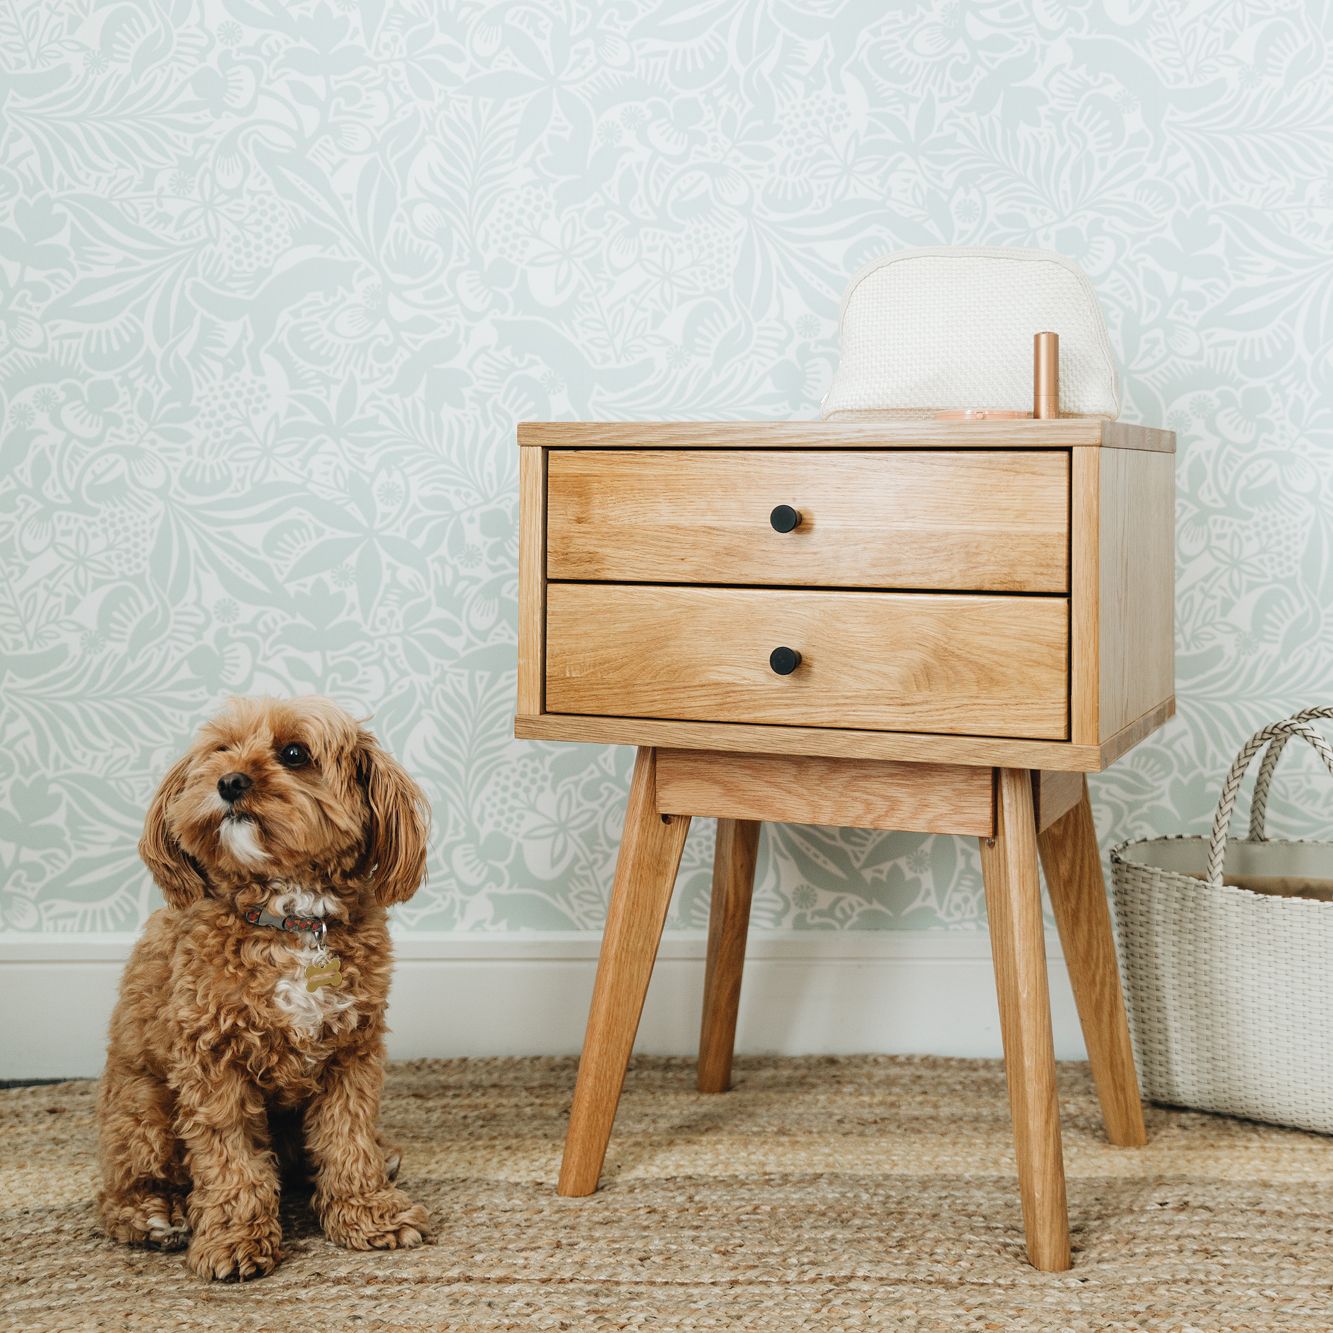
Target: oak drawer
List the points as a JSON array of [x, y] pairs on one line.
[[948, 663], [972, 520]]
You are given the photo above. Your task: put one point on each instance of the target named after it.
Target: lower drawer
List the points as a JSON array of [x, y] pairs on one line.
[[959, 664]]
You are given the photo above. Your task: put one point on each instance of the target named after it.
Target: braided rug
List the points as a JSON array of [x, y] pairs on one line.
[[821, 1193]]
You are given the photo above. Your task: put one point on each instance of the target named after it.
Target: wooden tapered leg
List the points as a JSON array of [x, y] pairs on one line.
[[1073, 867], [728, 924], [1013, 906], [650, 851]]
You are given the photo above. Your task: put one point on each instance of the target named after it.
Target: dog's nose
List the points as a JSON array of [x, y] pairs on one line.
[[232, 786]]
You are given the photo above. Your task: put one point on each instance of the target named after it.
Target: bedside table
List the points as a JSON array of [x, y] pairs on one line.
[[880, 623]]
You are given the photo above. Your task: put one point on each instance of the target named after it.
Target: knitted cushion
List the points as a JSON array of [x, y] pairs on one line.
[[928, 329]]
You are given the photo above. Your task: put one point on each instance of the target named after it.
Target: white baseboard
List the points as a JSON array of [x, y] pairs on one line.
[[454, 994]]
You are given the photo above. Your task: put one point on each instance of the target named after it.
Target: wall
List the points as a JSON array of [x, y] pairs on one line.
[[278, 280]]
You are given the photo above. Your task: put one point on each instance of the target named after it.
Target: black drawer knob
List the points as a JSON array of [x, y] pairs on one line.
[[784, 660], [785, 519]]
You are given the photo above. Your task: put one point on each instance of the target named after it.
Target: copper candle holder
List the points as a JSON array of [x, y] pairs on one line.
[[1045, 375]]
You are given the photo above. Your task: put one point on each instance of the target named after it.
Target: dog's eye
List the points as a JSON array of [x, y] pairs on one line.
[[294, 755]]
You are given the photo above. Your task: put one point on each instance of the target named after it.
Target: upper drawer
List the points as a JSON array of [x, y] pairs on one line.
[[983, 521]]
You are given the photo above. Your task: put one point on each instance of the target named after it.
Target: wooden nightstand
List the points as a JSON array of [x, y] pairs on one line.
[[882, 624]]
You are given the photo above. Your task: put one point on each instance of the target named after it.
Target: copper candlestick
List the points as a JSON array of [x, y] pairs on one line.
[[1045, 375]]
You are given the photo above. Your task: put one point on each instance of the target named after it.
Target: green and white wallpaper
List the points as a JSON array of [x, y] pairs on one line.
[[278, 279]]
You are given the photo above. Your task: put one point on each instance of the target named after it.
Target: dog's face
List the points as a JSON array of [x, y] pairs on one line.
[[280, 789]]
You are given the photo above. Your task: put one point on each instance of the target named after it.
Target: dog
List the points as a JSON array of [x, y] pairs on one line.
[[249, 1029]]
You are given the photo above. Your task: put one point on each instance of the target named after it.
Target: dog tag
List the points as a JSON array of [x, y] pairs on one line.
[[326, 972]]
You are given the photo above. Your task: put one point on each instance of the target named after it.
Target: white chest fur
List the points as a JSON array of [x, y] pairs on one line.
[[305, 1010]]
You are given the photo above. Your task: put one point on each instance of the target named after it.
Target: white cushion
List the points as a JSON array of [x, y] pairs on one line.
[[952, 327]]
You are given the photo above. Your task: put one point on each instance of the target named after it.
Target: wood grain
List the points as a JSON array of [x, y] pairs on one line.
[[531, 581], [832, 741], [1073, 867], [1122, 589], [1085, 598], [1128, 737], [970, 521], [728, 926], [650, 849], [1136, 602], [1053, 793], [805, 789], [919, 662], [1125, 435], [1063, 756], [870, 431], [1013, 908]]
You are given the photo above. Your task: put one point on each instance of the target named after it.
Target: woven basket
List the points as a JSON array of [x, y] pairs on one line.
[[1227, 951]]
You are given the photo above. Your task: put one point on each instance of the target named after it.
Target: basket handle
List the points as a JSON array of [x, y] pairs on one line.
[[1226, 803], [1259, 802]]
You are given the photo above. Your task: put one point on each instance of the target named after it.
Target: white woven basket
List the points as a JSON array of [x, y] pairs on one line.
[[952, 327], [1229, 989]]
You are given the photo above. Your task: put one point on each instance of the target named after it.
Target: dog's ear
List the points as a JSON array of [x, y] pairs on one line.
[[177, 874], [395, 855]]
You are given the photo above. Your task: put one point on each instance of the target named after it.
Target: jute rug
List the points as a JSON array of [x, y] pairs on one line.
[[820, 1194]]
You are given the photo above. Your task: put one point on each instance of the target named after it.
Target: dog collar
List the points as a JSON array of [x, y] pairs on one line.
[[315, 926], [326, 970]]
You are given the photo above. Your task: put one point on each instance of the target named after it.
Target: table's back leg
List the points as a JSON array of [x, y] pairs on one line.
[[1013, 906], [728, 924], [649, 857], [1073, 867]]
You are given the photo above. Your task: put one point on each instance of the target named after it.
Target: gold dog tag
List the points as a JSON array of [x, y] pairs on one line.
[[326, 972]]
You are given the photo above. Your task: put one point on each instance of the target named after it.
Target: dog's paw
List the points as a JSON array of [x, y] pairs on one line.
[[388, 1221], [154, 1220], [236, 1254]]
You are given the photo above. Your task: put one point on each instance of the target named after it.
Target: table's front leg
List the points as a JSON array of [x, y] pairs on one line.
[[1018, 946], [650, 849]]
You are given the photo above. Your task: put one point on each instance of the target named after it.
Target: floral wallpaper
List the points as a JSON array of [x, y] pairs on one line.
[[278, 279]]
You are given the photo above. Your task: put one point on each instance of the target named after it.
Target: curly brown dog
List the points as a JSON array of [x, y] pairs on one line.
[[250, 1024]]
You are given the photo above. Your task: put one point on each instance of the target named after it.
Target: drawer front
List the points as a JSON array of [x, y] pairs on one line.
[[977, 520], [964, 665]]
